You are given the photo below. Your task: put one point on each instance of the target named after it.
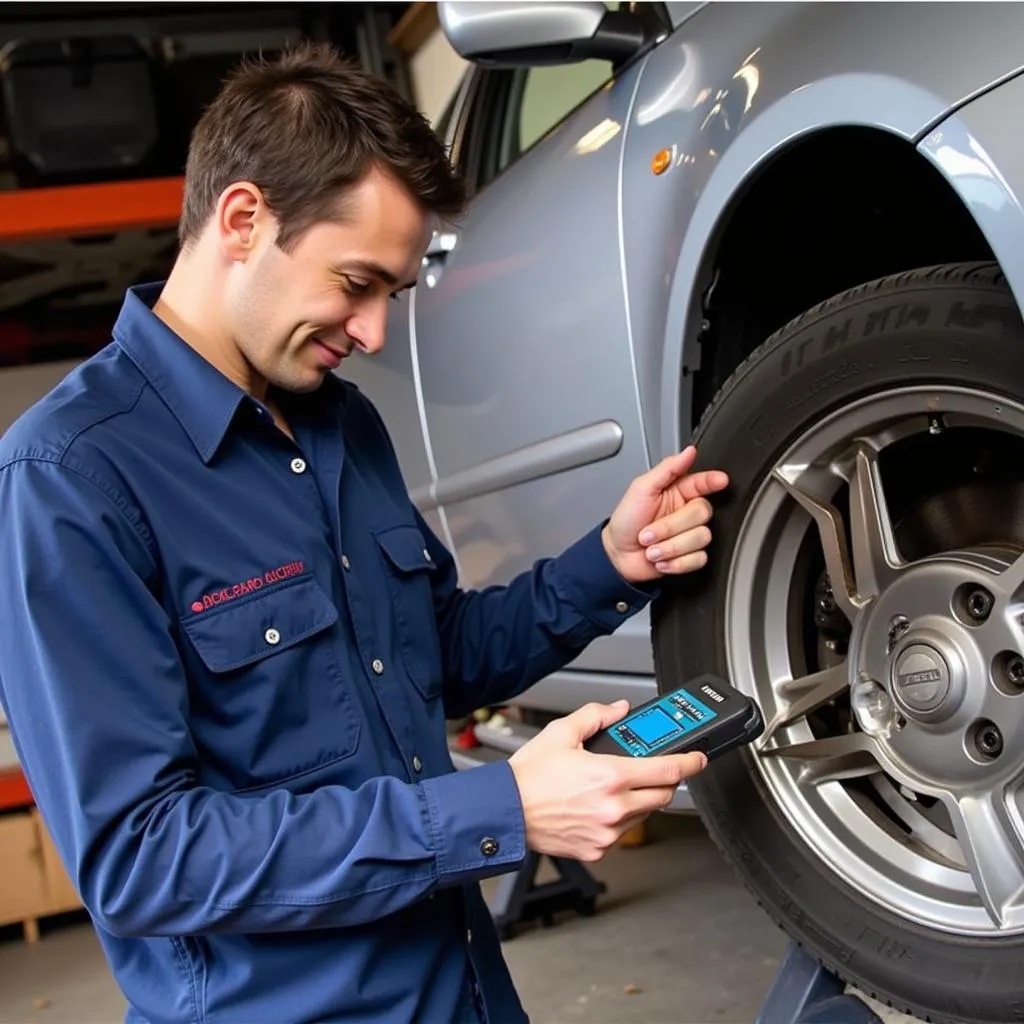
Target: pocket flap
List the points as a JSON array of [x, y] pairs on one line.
[[260, 625], [405, 548]]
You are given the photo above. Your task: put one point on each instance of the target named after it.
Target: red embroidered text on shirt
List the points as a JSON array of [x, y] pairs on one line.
[[249, 586]]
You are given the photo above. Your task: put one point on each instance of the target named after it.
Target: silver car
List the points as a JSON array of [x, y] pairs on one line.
[[795, 233]]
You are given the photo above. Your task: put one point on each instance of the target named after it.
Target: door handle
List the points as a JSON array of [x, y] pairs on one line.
[[440, 244]]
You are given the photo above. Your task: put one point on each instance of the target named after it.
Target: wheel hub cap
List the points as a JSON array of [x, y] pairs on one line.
[[920, 679], [934, 667]]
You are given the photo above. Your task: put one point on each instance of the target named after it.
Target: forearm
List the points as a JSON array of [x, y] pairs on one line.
[[200, 861], [499, 641]]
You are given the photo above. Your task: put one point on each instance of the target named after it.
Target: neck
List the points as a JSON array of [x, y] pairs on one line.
[[190, 305]]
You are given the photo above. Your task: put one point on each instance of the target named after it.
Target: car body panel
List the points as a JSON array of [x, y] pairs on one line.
[[511, 327], [541, 366], [390, 379], [984, 163], [727, 101]]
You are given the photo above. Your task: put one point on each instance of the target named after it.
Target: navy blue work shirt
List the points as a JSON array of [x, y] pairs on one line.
[[227, 660]]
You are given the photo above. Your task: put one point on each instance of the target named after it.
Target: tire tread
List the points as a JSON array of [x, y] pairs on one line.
[[975, 274]]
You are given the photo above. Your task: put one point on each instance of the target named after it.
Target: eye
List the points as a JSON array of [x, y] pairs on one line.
[[356, 287]]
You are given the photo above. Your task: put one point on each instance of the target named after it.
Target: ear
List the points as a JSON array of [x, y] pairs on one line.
[[241, 217]]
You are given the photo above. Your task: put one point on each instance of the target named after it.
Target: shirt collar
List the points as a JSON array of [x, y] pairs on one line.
[[202, 399]]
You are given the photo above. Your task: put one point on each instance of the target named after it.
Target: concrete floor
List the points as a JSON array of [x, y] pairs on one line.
[[676, 940]]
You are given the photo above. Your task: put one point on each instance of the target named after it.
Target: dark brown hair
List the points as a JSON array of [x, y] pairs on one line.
[[304, 127]]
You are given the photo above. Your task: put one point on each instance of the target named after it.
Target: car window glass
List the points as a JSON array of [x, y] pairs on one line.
[[537, 100], [550, 93]]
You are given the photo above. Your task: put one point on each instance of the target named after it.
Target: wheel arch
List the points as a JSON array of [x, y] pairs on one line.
[[871, 117]]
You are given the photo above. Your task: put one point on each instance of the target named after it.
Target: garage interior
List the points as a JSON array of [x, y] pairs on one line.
[[674, 937]]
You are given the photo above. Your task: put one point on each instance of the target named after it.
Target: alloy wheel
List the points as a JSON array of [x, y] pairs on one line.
[[885, 645]]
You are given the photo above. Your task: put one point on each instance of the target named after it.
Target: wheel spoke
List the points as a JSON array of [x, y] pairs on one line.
[[833, 543], [850, 756], [990, 835], [807, 694], [875, 557], [1011, 580]]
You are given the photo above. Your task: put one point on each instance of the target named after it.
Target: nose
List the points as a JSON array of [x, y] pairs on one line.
[[367, 327]]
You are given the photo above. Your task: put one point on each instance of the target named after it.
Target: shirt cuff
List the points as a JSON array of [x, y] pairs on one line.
[[476, 819], [587, 578]]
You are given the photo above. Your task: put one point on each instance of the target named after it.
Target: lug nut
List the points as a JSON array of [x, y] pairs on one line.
[[1015, 670], [988, 739], [979, 604]]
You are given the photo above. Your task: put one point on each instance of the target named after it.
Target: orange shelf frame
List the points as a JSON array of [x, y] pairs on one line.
[[14, 790], [65, 211]]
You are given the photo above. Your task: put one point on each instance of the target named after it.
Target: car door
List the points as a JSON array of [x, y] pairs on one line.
[[389, 378], [522, 334]]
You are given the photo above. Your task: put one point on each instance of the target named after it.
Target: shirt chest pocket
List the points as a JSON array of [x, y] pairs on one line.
[[408, 567], [272, 703]]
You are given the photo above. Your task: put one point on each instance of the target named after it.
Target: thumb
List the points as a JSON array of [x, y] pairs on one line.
[[591, 718]]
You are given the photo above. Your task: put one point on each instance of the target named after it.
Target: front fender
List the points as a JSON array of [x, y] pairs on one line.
[[981, 154], [725, 95]]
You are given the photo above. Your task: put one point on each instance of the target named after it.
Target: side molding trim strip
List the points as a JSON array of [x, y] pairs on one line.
[[575, 448]]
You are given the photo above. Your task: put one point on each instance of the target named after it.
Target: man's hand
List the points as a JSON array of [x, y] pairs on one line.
[[660, 526], [577, 804]]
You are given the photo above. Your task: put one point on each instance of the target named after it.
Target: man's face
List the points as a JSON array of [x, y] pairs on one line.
[[293, 316]]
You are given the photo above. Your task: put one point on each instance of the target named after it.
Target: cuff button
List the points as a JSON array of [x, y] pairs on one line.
[[489, 847]]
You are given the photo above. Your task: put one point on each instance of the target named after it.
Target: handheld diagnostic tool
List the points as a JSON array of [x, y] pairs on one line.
[[706, 714]]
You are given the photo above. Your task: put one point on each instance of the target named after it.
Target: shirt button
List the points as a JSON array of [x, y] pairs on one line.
[[298, 465], [489, 847], [272, 636], [345, 563], [469, 934], [622, 607], [378, 666], [426, 554], [417, 764]]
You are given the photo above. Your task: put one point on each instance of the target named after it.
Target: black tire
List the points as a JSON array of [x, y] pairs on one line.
[[965, 319]]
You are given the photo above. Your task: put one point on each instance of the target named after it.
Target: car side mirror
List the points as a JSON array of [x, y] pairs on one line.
[[539, 32]]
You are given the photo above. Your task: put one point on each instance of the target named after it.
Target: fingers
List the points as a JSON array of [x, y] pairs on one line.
[[666, 472], [709, 481], [676, 543], [674, 469], [693, 514], [667, 770]]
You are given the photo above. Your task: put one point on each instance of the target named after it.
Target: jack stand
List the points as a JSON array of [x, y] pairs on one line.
[[520, 898], [804, 992]]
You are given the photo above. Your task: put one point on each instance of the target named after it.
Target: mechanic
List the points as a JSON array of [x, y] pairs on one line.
[[230, 640]]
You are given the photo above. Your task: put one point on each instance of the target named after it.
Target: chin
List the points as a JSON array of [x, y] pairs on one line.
[[300, 381]]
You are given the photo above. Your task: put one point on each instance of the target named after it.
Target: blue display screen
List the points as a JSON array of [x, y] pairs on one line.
[[656, 727], [653, 726]]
